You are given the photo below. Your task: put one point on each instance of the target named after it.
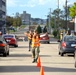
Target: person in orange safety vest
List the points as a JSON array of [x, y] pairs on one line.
[[30, 35], [35, 46]]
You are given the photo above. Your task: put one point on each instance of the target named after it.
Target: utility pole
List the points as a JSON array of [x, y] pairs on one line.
[[29, 23], [58, 13], [55, 22], [50, 21], [66, 14]]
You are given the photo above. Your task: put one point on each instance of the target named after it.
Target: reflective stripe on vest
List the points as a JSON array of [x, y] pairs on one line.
[[29, 37], [33, 42]]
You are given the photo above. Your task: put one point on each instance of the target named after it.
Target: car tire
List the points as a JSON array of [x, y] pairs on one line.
[[15, 45], [62, 54], [4, 54], [48, 42], [75, 64]]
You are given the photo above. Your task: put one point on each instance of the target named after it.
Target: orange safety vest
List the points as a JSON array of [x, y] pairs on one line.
[[37, 41], [30, 36], [33, 42]]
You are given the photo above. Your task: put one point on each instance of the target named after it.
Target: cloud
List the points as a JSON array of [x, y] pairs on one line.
[[11, 3], [33, 3]]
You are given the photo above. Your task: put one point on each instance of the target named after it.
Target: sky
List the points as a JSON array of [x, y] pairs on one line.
[[37, 8]]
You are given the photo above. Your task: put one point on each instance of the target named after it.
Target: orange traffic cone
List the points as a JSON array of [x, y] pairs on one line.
[[38, 62], [41, 71]]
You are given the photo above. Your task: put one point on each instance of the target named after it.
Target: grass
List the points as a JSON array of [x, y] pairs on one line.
[[22, 26]]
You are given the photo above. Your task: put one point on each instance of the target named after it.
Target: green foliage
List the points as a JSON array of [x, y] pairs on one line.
[[55, 33], [34, 23], [73, 10], [44, 29], [17, 21], [39, 30], [10, 21]]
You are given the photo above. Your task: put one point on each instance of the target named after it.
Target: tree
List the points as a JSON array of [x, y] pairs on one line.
[[39, 30], [73, 10], [17, 21], [34, 23], [58, 16], [44, 29], [9, 21]]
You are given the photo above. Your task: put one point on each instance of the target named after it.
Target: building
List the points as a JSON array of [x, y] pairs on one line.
[[38, 21], [25, 17], [27, 20], [3, 16]]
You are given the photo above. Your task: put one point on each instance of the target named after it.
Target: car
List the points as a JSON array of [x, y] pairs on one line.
[[67, 45], [4, 47], [75, 58], [11, 39], [44, 38]]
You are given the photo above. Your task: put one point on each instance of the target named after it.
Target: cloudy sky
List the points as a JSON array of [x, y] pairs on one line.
[[37, 8]]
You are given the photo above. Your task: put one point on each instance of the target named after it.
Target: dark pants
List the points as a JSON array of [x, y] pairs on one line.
[[30, 42]]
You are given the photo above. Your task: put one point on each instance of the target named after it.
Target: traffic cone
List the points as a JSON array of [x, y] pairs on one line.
[[41, 71], [38, 62]]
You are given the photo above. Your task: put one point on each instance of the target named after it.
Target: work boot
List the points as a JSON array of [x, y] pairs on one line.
[[36, 60], [33, 61], [29, 49]]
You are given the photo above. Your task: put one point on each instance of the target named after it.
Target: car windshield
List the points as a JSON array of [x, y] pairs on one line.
[[70, 38], [8, 36]]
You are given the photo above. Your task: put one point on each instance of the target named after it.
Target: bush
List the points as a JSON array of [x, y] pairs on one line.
[[55, 33]]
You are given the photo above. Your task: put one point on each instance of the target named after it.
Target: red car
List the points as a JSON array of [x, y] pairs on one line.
[[4, 47], [44, 38], [11, 39]]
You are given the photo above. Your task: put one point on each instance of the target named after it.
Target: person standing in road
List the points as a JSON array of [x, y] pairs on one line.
[[30, 35], [35, 46]]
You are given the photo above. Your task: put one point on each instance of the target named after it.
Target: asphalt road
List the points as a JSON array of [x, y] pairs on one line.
[[19, 62]]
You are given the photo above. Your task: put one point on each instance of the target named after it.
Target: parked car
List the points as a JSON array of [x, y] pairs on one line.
[[4, 47], [44, 38], [75, 58], [67, 45], [11, 39]]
